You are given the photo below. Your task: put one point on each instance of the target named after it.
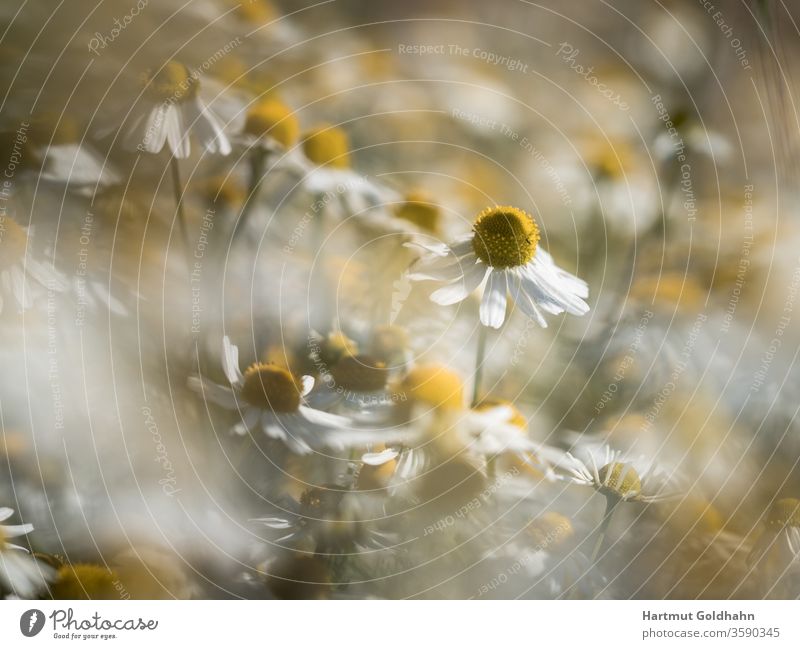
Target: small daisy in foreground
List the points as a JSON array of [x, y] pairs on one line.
[[620, 479], [776, 554], [19, 572], [169, 113], [503, 252], [272, 399], [21, 277]]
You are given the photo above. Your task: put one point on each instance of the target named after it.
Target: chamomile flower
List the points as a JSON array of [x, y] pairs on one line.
[[169, 113], [502, 252], [620, 479], [23, 278], [775, 556], [272, 399], [19, 572], [270, 125]]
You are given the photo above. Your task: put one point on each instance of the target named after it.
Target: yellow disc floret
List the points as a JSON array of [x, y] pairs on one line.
[[505, 237], [419, 209], [274, 119], [620, 480], [84, 581], [327, 145], [434, 386], [13, 241], [784, 513], [268, 386], [172, 82]]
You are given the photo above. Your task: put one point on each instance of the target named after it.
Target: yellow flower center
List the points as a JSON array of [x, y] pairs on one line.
[[327, 145], [256, 11], [784, 513], [335, 347], [274, 119], [516, 418], [420, 210], [360, 373], [551, 530], [620, 480], [434, 385], [172, 82], [84, 581], [13, 241], [223, 190], [269, 386], [505, 237]]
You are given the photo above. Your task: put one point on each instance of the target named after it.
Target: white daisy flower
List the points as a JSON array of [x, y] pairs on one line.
[[169, 113], [23, 278], [272, 400], [619, 478], [775, 556], [502, 252], [19, 572]]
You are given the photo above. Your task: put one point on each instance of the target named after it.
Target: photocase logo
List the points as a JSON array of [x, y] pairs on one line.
[[31, 622]]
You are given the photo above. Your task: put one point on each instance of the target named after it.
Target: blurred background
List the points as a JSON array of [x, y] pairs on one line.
[[654, 143]]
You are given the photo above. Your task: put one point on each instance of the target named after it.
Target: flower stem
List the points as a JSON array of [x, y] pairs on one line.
[[611, 504], [177, 185], [480, 353], [258, 159]]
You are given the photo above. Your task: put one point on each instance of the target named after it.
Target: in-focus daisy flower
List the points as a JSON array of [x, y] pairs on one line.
[[775, 557], [23, 278], [85, 581], [620, 478], [20, 574], [503, 252], [272, 399], [169, 113]]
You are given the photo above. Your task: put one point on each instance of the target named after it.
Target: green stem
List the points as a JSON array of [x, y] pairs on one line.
[[258, 160], [611, 504], [177, 185], [480, 353]]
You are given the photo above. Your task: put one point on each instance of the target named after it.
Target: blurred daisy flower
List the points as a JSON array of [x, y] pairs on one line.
[[272, 399], [503, 252], [619, 478], [20, 573], [775, 557], [169, 113], [22, 278]]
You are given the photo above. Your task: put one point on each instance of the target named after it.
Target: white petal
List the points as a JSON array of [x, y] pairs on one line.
[[5, 512], [177, 133], [218, 394], [206, 126], [10, 531], [493, 304], [151, 133], [307, 383], [376, 459], [461, 288], [230, 362]]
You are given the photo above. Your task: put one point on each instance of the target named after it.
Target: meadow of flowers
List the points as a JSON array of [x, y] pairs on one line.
[[372, 300]]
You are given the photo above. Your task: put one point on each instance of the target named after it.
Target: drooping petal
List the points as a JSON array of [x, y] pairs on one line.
[[230, 362], [459, 290], [493, 304]]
